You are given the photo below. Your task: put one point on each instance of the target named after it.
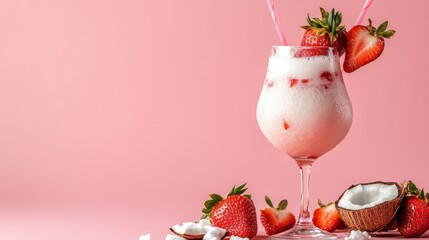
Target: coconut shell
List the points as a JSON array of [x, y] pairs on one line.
[[374, 218], [193, 237]]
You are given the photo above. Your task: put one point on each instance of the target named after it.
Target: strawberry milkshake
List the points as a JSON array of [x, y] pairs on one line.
[[304, 109]]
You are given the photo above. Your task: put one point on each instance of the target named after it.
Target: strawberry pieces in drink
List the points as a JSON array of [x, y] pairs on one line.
[[326, 76], [276, 220], [293, 82], [364, 45], [285, 125]]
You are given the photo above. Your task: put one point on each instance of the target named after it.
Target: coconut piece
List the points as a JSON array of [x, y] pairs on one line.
[[237, 238], [358, 235], [199, 231], [145, 237], [370, 206], [174, 237]]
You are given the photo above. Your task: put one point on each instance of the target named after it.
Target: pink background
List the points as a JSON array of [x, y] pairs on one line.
[[119, 117]]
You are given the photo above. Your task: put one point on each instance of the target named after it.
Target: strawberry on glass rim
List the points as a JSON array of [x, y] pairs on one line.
[[324, 32], [365, 44]]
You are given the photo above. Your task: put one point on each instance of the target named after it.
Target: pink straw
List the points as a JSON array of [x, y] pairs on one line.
[[276, 22], [364, 11]]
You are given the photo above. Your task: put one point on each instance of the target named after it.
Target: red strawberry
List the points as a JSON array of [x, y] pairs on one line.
[[326, 217], [413, 215], [276, 220], [236, 213], [326, 32], [364, 45]]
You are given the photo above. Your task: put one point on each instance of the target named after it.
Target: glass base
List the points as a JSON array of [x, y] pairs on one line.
[[305, 232]]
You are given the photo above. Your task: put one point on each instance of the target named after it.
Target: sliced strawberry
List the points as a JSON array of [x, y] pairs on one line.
[[276, 220], [364, 45], [413, 215], [326, 217], [342, 225]]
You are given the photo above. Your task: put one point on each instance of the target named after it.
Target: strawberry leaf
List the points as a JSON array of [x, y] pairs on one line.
[[382, 28], [411, 187], [282, 204], [323, 12], [422, 194], [320, 203], [330, 19], [388, 33], [216, 197], [206, 210], [209, 204], [268, 201]]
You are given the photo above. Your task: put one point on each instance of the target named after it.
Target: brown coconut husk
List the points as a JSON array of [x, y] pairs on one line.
[[371, 219], [193, 237]]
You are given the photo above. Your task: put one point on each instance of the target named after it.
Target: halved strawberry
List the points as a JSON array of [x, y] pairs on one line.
[[364, 45], [326, 217], [326, 32], [236, 213], [276, 220], [413, 215]]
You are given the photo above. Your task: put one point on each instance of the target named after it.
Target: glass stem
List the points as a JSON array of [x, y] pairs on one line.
[[304, 214]]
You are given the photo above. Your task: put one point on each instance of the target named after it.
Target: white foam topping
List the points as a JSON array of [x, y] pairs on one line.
[[358, 235], [368, 195]]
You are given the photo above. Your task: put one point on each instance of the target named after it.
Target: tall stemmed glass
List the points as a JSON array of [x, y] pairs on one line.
[[304, 110]]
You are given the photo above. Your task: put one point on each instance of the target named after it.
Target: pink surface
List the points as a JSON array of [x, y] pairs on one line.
[[119, 117]]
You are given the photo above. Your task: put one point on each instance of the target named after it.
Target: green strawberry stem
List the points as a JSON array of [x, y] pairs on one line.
[[381, 30], [329, 24], [282, 204], [413, 190]]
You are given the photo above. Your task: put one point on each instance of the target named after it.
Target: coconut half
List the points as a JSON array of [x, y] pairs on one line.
[[198, 231], [370, 206]]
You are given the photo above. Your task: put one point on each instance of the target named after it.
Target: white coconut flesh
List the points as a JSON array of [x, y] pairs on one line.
[[173, 237], [145, 237], [237, 238], [202, 228], [368, 196]]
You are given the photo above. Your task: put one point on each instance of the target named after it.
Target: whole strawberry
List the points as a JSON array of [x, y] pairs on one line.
[[327, 218], [236, 213], [326, 32], [276, 220], [413, 215], [365, 44]]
